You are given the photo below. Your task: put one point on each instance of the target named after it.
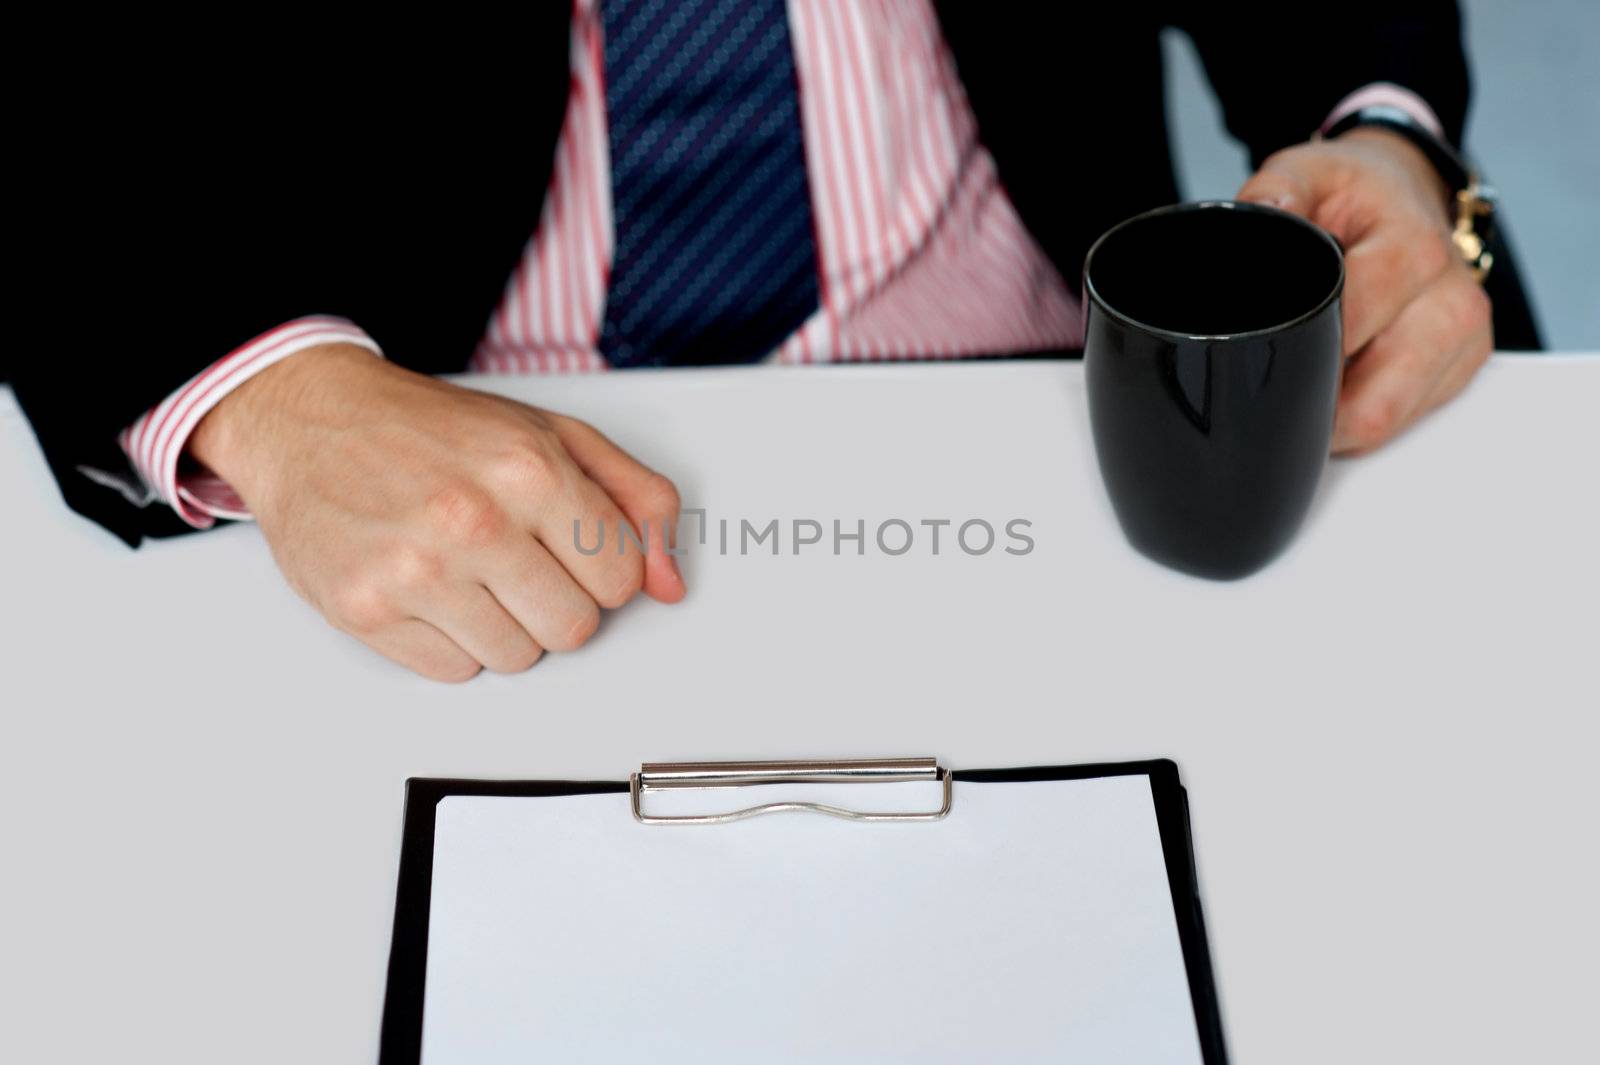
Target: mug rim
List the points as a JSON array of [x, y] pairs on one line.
[[1213, 205]]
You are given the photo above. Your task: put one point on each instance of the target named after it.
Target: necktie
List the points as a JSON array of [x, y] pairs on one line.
[[715, 256]]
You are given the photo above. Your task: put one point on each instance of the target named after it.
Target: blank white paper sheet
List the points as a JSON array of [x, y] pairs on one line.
[[1034, 924]]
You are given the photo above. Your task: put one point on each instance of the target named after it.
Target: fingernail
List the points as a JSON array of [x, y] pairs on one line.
[[1280, 200]]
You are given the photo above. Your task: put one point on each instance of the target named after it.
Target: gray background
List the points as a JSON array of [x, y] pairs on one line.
[[1534, 127]]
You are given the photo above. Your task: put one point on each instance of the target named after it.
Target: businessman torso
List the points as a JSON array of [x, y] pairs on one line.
[[392, 172]]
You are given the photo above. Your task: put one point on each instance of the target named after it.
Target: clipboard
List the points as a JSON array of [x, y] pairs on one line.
[[770, 787]]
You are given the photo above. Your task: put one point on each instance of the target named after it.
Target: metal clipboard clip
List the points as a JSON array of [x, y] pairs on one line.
[[666, 776]]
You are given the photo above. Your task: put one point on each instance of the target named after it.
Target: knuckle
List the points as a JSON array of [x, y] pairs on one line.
[[413, 568], [1427, 255], [532, 463], [464, 514], [1381, 270], [361, 606], [1375, 422]]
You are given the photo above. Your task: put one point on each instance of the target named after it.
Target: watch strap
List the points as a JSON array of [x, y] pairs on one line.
[[1445, 159]]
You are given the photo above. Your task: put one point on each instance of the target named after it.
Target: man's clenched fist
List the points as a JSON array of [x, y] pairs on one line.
[[432, 522]]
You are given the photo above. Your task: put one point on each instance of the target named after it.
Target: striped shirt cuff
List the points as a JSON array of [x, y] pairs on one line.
[[155, 443], [1386, 94]]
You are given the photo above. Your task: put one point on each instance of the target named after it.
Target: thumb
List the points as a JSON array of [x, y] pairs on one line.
[[651, 503], [1282, 184], [648, 499]]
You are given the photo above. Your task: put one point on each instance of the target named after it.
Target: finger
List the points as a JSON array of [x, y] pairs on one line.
[[586, 532], [1476, 352], [1385, 272], [648, 499], [1281, 184], [422, 648], [1306, 181], [542, 596], [476, 622], [1388, 386]]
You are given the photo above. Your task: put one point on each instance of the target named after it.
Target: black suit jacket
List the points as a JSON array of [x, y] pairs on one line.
[[210, 182]]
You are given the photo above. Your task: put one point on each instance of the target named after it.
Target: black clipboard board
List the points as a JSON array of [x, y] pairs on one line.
[[400, 1041]]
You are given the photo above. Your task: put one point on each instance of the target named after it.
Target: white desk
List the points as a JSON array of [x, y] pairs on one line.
[[1389, 736]]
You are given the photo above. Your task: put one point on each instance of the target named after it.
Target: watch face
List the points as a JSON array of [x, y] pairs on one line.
[[1474, 228]]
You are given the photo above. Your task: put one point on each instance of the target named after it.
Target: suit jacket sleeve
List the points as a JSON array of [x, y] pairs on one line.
[[1278, 74], [199, 192], [180, 225]]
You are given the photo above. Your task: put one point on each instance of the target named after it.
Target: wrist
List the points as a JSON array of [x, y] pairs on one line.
[[239, 437]]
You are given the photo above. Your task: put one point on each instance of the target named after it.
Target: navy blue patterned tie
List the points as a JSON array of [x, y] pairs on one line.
[[715, 257]]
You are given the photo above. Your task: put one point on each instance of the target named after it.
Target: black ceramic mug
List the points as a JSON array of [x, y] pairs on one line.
[[1212, 352]]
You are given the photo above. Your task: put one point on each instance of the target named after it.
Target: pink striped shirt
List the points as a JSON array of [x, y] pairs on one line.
[[921, 254]]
